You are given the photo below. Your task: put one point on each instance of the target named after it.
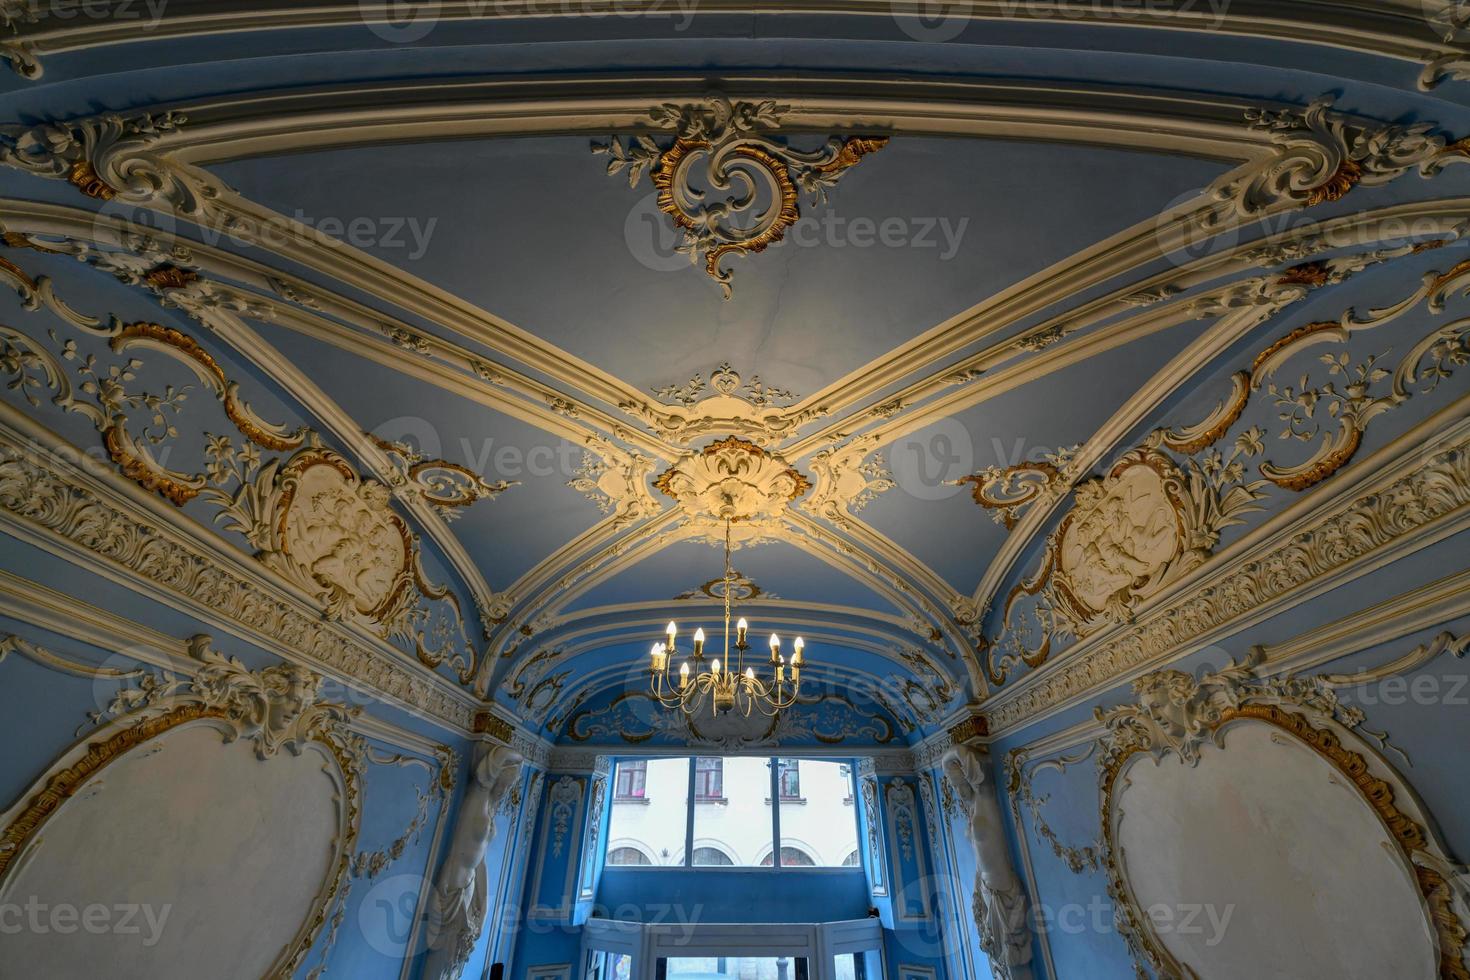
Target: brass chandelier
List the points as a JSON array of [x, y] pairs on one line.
[[726, 685]]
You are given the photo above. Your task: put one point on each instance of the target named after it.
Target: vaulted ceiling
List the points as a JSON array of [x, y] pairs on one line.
[[1028, 233]]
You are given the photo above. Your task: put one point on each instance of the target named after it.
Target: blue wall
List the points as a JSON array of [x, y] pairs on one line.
[[733, 895]]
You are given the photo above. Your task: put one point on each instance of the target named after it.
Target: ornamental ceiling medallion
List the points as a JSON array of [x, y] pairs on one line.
[[742, 588], [736, 480], [759, 176]]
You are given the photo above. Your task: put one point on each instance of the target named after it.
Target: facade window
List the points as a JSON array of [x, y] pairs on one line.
[[632, 780], [627, 856], [738, 811], [790, 779], [709, 779], [711, 857]]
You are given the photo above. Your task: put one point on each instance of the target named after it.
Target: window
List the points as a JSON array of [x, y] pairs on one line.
[[732, 812], [631, 781], [791, 857], [653, 822], [790, 779], [706, 967], [816, 813], [627, 855], [709, 779], [711, 857]]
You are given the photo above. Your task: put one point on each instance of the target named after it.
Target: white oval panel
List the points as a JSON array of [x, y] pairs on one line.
[[186, 857], [1265, 862]]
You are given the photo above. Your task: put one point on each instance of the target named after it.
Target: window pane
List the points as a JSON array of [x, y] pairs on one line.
[[711, 857], [734, 817], [818, 819], [652, 821], [852, 966], [744, 967]]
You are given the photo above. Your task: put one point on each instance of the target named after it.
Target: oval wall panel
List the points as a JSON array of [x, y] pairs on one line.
[[186, 857], [1265, 861]]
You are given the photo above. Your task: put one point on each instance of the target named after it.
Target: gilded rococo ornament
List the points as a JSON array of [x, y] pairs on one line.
[[732, 479], [760, 177]]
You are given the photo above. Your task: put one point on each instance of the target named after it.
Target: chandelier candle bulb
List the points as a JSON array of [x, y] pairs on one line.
[[740, 629], [684, 675], [699, 643]]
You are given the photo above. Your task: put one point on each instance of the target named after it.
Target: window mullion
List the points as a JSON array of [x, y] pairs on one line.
[[689, 820], [775, 812]]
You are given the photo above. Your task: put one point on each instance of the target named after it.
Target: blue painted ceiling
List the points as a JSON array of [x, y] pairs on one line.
[[530, 232]]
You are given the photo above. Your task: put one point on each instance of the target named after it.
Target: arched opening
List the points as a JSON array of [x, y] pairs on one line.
[[710, 857], [627, 856], [791, 857]]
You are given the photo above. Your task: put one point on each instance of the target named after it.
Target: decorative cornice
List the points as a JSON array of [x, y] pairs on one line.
[[972, 728], [1377, 29], [488, 723]]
